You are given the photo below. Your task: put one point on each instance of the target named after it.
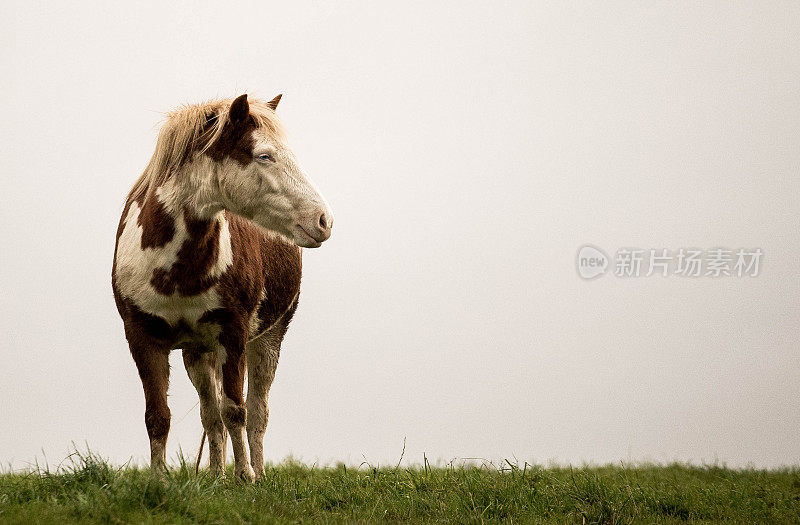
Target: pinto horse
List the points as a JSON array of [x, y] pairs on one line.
[[208, 260]]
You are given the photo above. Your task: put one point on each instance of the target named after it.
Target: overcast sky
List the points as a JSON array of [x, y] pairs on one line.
[[468, 151]]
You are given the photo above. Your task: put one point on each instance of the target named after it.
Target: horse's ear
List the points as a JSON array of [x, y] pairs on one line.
[[240, 108], [274, 102]]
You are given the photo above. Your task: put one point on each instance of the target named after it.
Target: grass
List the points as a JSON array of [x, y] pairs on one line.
[[89, 490]]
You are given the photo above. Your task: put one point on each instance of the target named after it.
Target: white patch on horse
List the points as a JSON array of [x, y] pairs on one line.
[[225, 255]]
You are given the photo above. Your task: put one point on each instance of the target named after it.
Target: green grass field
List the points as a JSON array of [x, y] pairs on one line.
[[90, 490]]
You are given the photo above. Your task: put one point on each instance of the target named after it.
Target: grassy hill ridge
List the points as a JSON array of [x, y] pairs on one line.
[[91, 490]]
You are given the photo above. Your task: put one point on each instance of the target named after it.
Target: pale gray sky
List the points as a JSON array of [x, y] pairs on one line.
[[468, 150]]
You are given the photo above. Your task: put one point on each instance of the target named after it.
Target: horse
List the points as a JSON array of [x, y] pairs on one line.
[[208, 259]]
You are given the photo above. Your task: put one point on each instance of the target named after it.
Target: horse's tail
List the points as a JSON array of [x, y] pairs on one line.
[[200, 454]]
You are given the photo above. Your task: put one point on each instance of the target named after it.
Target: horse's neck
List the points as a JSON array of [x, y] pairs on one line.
[[194, 189]]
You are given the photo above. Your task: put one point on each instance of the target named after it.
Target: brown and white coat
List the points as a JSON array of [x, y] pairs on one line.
[[207, 260]]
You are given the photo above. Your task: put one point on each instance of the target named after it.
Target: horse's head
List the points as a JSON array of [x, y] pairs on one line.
[[257, 175]]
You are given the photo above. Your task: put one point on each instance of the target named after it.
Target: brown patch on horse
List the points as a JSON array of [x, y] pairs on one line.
[[283, 268], [260, 262], [241, 286], [149, 340], [233, 372], [143, 330], [235, 415], [158, 227], [197, 255], [154, 372], [153, 369], [236, 140]]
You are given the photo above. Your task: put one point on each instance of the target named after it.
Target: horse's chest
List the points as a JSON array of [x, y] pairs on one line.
[[169, 280]]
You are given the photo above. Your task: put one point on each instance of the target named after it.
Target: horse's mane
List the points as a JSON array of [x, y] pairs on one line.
[[194, 128]]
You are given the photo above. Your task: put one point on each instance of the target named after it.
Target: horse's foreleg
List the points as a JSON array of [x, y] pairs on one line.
[[262, 360], [234, 411], [153, 366], [220, 358], [201, 368]]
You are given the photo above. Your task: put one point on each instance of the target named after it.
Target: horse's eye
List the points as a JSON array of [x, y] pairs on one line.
[[265, 157]]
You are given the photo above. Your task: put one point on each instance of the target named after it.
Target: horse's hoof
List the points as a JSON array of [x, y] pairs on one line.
[[246, 474]]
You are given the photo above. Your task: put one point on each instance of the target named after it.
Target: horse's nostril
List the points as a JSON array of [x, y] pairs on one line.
[[323, 221]]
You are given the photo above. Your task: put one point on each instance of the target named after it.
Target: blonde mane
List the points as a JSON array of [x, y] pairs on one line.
[[194, 128]]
